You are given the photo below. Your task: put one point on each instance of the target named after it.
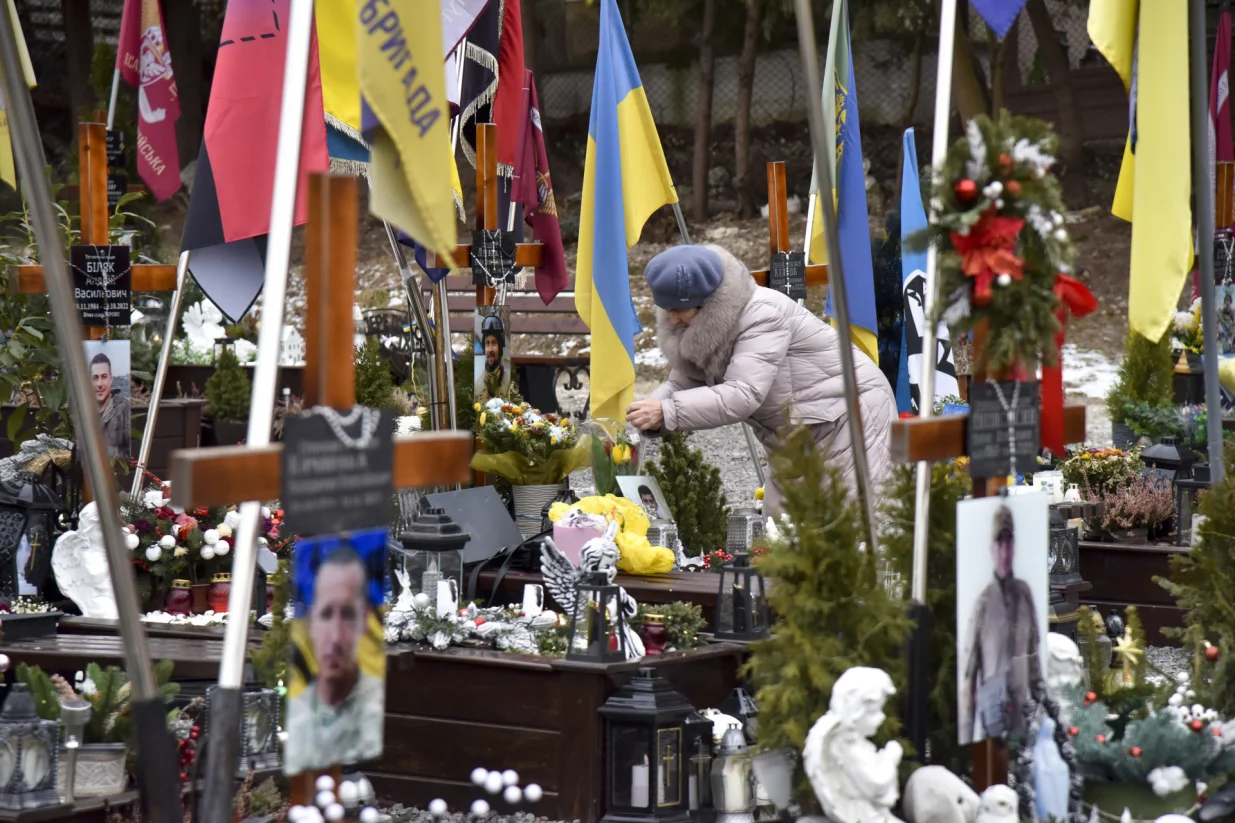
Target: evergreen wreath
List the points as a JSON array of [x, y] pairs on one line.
[[1003, 250]]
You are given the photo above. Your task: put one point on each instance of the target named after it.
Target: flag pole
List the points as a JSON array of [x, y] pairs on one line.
[[160, 377], [814, 102], [1203, 191], [227, 700], [160, 790], [111, 103]]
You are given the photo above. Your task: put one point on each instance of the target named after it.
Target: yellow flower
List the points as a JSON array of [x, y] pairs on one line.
[[482, 417], [621, 454], [553, 439], [476, 406], [538, 425], [1086, 456], [759, 493]]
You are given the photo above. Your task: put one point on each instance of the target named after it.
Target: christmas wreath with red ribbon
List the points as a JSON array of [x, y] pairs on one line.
[[1005, 256]]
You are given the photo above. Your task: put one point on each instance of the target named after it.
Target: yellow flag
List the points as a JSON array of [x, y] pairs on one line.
[[336, 51], [404, 84], [8, 172], [1155, 181]]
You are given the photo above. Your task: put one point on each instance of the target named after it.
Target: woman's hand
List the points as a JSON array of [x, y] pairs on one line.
[[645, 415]]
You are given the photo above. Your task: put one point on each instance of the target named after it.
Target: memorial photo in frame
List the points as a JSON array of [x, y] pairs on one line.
[[336, 676], [1001, 610], [646, 492], [111, 381], [492, 364]]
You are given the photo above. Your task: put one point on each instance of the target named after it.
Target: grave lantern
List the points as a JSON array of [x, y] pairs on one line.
[[741, 603], [645, 735], [21, 501], [1064, 555], [774, 772], [74, 715], [259, 728], [663, 533], [699, 731], [1168, 460], [433, 553], [598, 631], [29, 749], [745, 527], [733, 784], [742, 706]]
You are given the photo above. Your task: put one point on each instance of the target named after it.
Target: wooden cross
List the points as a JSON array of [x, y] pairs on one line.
[[218, 476], [778, 228], [940, 438], [95, 217]]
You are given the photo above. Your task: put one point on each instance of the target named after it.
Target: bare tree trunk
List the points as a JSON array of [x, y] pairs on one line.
[[1071, 137], [744, 181], [703, 114]]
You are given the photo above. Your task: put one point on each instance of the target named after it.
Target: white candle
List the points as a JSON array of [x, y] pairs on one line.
[[693, 792], [639, 786], [660, 783], [533, 599], [447, 598]]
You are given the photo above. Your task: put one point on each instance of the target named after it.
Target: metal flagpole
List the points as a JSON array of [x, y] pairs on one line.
[[750, 436], [111, 103], [227, 702], [160, 376], [810, 225], [819, 138], [156, 753], [411, 286], [1203, 191]]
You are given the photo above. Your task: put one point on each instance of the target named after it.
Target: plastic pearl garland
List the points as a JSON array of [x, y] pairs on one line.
[[210, 537], [479, 774], [334, 812]]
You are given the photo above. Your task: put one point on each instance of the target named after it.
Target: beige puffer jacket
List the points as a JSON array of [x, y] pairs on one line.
[[753, 355]]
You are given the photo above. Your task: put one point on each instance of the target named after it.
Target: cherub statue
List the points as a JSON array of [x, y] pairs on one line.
[[854, 781], [1065, 669], [600, 554], [79, 562]]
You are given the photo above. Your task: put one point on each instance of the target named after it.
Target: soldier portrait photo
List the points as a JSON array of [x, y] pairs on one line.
[[110, 379], [1002, 608], [492, 369]]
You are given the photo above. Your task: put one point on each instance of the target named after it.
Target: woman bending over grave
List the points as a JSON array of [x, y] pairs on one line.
[[741, 353]]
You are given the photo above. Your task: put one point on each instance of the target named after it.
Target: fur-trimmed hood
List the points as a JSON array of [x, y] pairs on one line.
[[706, 345]]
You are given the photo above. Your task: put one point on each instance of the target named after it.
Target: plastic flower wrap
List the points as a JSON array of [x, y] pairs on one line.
[[615, 453], [526, 447], [639, 556]]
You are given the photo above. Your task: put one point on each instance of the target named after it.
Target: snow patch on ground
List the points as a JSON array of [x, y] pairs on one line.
[[651, 357], [1088, 373]]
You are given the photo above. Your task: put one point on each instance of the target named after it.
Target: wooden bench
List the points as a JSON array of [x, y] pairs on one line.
[[542, 377]]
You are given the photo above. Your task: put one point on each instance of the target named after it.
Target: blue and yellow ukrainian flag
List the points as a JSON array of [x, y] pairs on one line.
[[625, 179], [844, 159]]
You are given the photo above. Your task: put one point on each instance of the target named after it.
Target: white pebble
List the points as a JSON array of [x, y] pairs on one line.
[[132, 541], [532, 792], [325, 797], [437, 807], [349, 793], [153, 554], [493, 782], [168, 542], [369, 815], [480, 807], [479, 773], [510, 777], [334, 812], [1181, 690], [512, 795]]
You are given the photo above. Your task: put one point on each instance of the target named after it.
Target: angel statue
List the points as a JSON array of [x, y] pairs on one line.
[[854, 781], [79, 562], [598, 555]]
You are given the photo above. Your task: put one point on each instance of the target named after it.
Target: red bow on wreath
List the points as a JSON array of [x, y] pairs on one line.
[[987, 252], [1075, 299]]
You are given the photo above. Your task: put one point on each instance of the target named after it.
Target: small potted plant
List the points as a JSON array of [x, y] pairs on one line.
[[1095, 470], [1145, 376], [228, 393], [1134, 512], [1153, 420]]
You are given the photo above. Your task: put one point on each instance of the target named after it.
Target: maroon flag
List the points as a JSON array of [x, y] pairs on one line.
[[533, 189], [143, 61]]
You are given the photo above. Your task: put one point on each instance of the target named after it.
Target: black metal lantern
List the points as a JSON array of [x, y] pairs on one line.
[[647, 767], [259, 729], [1064, 553], [1167, 460], [741, 603], [19, 501], [598, 631], [433, 553], [699, 733], [29, 753], [1185, 497], [741, 706]]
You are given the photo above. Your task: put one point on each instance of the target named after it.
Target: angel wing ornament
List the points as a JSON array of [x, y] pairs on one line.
[[79, 562], [600, 554]]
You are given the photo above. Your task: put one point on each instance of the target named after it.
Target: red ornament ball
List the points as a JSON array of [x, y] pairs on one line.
[[1013, 188], [1090, 697], [1217, 732], [1005, 163], [1211, 654], [1101, 738], [1196, 725], [1073, 731], [1135, 751], [966, 190]]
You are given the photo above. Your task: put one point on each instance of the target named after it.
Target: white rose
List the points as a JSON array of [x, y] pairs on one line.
[[224, 530]]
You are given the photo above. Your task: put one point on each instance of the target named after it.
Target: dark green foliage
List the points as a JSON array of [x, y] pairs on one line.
[[1153, 421], [1145, 376], [695, 494], [465, 391], [46, 697], [229, 390], [374, 384], [110, 695], [683, 623], [834, 611], [949, 486], [270, 658], [1201, 581]]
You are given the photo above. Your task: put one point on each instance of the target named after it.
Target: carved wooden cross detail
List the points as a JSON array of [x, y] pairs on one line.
[[778, 228]]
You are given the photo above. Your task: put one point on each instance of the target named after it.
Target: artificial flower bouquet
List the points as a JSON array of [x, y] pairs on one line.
[[1186, 330], [615, 453], [526, 447], [638, 555], [1097, 470]]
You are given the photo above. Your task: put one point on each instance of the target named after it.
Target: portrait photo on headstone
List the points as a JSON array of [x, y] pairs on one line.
[[111, 381], [1001, 610], [646, 492], [492, 369], [336, 676]]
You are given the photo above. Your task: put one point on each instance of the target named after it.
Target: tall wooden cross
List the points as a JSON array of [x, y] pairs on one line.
[[942, 438], [95, 217], [219, 476], [778, 228]]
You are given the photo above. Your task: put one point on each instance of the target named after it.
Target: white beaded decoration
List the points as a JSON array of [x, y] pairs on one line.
[[532, 792], [168, 542], [510, 777], [349, 793], [493, 782], [480, 807], [221, 548], [334, 812], [512, 795], [325, 797], [207, 553], [437, 807], [479, 774], [369, 815], [1004, 279]]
